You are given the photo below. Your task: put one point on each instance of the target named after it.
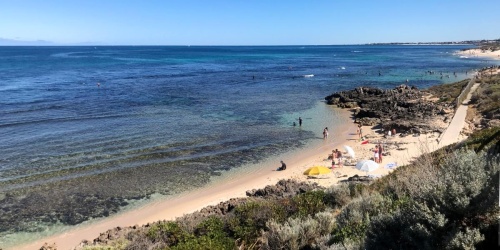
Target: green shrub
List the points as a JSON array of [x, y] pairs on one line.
[[414, 227], [210, 234], [205, 243], [250, 218], [168, 233], [354, 219], [298, 233], [310, 203], [338, 196], [454, 205], [464, 240]]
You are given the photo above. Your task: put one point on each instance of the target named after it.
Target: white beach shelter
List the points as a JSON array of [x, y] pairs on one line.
[[350, 151], [366, 165]]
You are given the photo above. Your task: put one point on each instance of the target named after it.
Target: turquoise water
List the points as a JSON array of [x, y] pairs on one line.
[[86, 130]]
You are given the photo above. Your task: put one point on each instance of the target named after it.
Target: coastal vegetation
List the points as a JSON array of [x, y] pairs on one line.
[[486, 99], [448, 92]]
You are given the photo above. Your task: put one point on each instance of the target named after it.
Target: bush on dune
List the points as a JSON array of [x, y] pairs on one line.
[[452, 205], [298, 233], [354, 219]]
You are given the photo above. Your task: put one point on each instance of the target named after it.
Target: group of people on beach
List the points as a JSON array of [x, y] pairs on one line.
[[337, 155]]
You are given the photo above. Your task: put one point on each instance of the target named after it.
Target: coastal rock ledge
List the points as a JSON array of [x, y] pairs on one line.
[[404, 108]]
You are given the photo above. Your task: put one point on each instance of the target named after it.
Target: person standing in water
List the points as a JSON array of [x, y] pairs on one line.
[[325, 133], [300, 121]]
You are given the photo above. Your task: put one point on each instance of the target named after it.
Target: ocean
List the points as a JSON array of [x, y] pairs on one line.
[[86, 132]]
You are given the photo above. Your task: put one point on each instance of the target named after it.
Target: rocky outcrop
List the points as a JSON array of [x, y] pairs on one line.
[[402, 108], [284, 188], [48, 246], [356, 178], [112, 234]]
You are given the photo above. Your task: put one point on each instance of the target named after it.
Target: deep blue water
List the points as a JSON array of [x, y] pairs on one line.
[[70, 115]]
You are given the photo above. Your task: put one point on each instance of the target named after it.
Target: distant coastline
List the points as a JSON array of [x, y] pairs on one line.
[[468, 42]]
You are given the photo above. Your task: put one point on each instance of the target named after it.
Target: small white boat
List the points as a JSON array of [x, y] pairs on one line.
[[307, 76]]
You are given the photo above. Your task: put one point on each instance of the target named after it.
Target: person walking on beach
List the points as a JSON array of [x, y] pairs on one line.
[[283, 166], [300, 122], [325, 133], [380, 149], [359, 132], [375, 154]]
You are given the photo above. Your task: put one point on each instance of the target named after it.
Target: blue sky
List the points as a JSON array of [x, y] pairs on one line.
[[238, 22]]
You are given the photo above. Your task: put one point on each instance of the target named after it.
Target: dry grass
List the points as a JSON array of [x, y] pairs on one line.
[[486, 99], [447, 93]]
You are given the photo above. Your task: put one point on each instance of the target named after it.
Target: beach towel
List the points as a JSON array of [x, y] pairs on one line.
[[364, 142], [391, 165]]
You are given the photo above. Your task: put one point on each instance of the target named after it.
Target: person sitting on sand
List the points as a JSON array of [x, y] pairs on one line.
[[283, 166]]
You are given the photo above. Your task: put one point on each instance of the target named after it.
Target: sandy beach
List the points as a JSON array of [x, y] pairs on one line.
[[495, 55]]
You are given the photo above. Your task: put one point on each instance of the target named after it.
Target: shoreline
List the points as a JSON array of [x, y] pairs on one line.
[[494, 55], [214, 193], [230, 185], [402, 150]]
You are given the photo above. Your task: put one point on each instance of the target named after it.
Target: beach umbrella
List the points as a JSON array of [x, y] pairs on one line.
[[350, 151], [366, 165], [317, 170]]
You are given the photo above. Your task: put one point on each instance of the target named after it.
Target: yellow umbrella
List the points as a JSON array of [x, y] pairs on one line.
[[317, 170]]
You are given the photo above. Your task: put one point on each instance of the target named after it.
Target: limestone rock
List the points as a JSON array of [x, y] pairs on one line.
[[402, 108]]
